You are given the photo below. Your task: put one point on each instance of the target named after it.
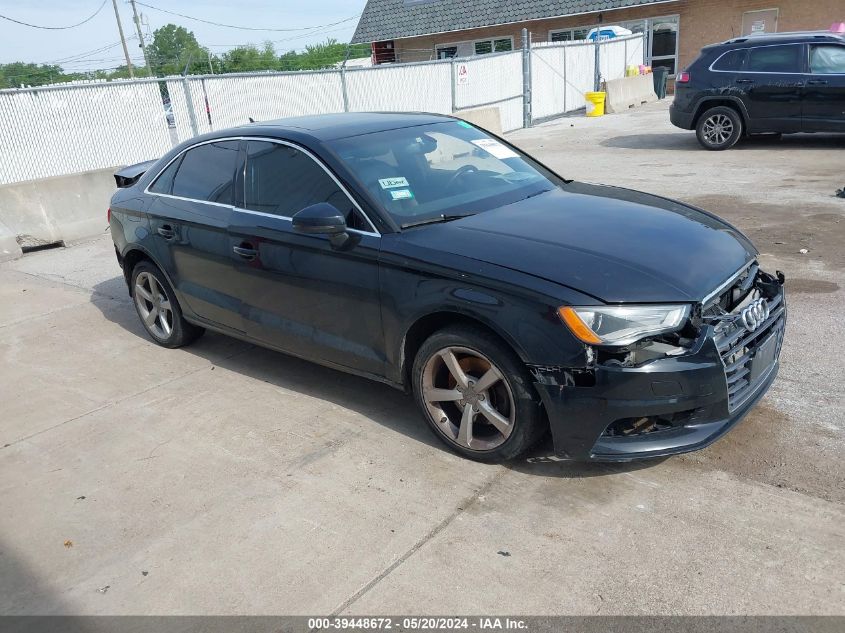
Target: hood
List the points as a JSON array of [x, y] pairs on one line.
[[619, 246]]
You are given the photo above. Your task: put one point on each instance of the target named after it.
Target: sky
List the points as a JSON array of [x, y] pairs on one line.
[[22, 43]]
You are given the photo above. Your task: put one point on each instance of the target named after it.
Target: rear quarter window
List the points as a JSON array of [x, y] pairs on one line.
[[732, 61]]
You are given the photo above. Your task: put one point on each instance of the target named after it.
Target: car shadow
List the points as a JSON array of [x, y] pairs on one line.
[[687, 142], [378, 402]]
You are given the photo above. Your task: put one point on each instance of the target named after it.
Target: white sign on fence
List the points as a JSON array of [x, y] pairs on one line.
[[462, 74]]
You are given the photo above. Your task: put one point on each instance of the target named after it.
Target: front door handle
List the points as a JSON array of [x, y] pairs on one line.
[[817, 82], [166, 231], [745, 81], [246, 251]]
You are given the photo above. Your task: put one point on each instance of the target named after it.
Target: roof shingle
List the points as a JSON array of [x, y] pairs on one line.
[[395, 19]]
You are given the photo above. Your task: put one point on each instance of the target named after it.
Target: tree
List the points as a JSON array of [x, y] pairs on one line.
[[19, 74], [249, 58], [173, 47]]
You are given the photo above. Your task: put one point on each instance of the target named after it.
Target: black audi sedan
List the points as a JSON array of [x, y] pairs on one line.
[[424, 252]]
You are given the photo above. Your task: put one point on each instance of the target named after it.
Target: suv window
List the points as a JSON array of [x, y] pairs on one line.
[[775, 59], [282, 180], [827, 60], [207, 172], [731, 61]]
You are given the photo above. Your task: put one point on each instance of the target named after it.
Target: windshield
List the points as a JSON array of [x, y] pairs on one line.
[[441, 170]]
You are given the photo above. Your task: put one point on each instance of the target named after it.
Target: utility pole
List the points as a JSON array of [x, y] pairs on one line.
[[137, 21], [123, 41]]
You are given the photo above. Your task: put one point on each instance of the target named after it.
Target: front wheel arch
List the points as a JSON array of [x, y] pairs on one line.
[[424, 326]]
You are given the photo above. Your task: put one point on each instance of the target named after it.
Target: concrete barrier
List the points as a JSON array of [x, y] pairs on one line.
[[629, 92], [50, 210], [488, 118], [9, 248]]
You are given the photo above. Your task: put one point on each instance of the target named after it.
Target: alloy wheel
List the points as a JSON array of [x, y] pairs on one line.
[[718, 129], [468, 398], [153, 305]]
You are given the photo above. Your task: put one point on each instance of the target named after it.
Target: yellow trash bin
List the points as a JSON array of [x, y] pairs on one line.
[[595, 103]]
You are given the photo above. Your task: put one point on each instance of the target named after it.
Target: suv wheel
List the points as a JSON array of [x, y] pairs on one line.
[[158, 308], [719, 128], [476, 395]]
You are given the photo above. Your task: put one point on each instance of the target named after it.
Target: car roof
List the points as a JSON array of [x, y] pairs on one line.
[[325, 127], [797, 37]]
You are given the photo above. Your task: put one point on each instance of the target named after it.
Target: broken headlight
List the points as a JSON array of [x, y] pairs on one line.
[[622, 325]]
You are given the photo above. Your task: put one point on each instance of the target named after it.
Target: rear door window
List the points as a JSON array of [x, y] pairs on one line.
[[207, 173], [827, 60], [732, 61], [775, 59]]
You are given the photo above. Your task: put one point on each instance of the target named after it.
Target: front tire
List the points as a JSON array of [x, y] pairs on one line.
[[157, 307], [476, 395], [719, 128]]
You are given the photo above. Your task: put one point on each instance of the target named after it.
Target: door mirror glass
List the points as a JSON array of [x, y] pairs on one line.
[[321, 218]]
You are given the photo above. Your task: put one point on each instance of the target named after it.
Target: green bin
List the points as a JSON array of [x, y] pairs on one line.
[[661, 74]]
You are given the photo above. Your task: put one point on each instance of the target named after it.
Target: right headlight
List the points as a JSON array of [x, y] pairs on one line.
[[622, 325]]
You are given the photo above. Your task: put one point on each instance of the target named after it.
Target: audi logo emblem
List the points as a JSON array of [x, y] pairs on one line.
[[755, 314]]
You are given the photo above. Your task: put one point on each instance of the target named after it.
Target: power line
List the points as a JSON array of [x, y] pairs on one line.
[[79, 56], [242, 28], [57, 28]]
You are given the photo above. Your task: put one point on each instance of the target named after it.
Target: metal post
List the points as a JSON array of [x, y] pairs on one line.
[[123, 41], [137, 21], [454, 86], [343, 88], [189, 101], [565, 83], [526, 80], [597, 74]]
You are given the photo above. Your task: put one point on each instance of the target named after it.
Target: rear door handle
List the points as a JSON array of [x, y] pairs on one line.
[[246, 251], [817, 82], [745, 81], [166, 231]]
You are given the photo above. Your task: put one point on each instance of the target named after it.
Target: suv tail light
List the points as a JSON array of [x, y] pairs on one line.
[[682, 78], [108, 216]]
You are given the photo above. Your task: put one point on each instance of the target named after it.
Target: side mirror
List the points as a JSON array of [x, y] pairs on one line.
[[321, 218]]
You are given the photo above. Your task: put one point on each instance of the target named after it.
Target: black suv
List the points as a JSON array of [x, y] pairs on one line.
[[763, 84]]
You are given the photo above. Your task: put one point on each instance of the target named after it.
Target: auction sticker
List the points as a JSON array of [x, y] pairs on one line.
[[495, 148]]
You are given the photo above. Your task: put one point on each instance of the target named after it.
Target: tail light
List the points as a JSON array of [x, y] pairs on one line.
[[108, 216], [682, 78]]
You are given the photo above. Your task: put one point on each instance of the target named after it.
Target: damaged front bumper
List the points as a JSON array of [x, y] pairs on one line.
[[665, 406]]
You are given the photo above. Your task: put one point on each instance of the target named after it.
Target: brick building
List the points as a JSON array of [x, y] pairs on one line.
[[417, 30]]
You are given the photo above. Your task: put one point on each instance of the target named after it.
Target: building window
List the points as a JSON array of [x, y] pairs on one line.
[[568, 35], [477, 47]]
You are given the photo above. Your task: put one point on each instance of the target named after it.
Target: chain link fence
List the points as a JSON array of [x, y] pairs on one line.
[[57, 130]]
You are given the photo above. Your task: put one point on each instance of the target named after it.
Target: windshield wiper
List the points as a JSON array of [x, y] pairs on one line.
[[436, 220]]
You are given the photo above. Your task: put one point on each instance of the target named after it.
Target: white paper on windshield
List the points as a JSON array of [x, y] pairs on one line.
[[390, 183], [495, 148]]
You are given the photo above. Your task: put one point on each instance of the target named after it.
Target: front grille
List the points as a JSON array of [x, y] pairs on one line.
[[737, 348]]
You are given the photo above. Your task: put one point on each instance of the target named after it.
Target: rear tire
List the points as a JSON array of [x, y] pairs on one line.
[[476, 394], [157, 307], [719, 128]]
